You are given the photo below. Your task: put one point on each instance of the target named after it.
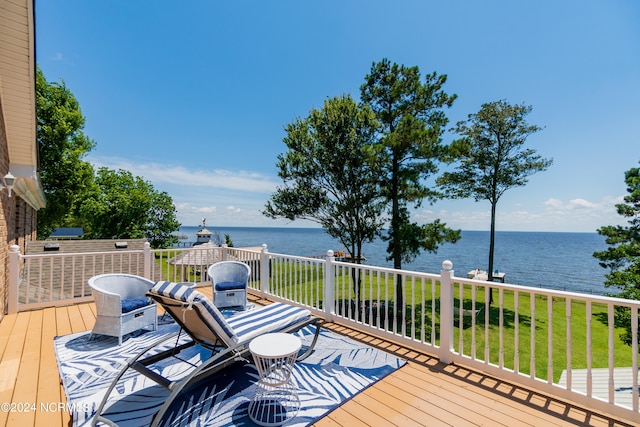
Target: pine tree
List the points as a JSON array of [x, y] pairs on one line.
[[622, 258]]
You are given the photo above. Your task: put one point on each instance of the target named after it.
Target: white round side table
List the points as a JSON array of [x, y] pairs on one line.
[[275, 400]]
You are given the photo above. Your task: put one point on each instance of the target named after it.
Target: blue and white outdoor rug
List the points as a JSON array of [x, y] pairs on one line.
[[338, 369]]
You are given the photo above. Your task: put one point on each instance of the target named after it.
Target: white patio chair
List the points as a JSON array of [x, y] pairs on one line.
[[122, 305], [229, 280]]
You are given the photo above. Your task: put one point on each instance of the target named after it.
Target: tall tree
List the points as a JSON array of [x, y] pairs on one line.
[[62, 145], [622, 257], [492, 157], [119, 205], [412, 121], [330, 175]]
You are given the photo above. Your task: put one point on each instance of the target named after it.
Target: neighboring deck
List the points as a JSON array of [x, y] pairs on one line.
[[423, 392]]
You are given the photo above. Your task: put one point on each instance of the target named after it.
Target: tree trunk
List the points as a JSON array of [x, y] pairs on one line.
[[395, 230], [355, 275], [492, 241]]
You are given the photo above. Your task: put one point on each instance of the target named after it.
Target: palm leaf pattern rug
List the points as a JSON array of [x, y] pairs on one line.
[[338, 369]]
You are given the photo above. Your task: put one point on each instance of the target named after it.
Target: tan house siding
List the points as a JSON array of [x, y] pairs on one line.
[[18, 145]]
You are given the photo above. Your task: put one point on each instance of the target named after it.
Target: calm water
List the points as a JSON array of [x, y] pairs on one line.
[[561, 261]]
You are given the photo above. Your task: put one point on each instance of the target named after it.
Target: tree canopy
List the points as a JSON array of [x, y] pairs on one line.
[[119, 205], [491, 157], [62, 146], [622, 257], [409, 145], [106, 204], [329, 174]]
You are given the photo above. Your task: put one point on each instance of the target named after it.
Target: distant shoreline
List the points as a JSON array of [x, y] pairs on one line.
[[246, 227]]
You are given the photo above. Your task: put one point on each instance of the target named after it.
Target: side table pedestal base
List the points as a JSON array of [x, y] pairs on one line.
[[274, 407]]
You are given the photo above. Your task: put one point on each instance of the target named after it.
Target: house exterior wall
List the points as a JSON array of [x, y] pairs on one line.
[[18, 145], [18, 220]]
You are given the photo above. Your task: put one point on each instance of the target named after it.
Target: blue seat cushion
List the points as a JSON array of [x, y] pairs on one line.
[[134, 304], [227, 286]]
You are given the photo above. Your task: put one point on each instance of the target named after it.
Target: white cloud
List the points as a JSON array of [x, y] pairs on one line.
[[206, 209], [233, 209], [554, 214], [574, 204], [158, 174], [553, 203]]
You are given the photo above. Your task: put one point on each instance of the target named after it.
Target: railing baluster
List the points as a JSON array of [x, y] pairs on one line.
[[413, 307], [51, 269], [386, 297], [39, 288], [532, 358], [318, 278], [62, 281], [501, 328], [423, 297], [304, 296], [386, 307], [516, 331], [433, 311], [290, 272], [611, 360], [487, 318], [371, 300], [589, 350], [634, 354], [394, 317], [474, 296], [73, 277], [460, 318], [549, 339], [569, 312], [402, 320], [38, 292]]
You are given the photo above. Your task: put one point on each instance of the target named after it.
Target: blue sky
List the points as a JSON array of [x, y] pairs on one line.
[[193, 96]]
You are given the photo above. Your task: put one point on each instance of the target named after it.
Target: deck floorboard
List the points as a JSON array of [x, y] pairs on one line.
[[423, 392]]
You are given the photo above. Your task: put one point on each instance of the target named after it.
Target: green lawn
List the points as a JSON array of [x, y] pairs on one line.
[[559, 339]]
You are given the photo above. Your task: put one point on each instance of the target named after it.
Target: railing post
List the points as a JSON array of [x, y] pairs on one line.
[[265, 266], [14, 279], [329, 286], [446, 312], [225, 255], [147, 260]]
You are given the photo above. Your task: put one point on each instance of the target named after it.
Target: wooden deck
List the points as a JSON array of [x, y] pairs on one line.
[[423, 392]]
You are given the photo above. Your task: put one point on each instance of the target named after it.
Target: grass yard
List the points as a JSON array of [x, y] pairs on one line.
[[544, 325]]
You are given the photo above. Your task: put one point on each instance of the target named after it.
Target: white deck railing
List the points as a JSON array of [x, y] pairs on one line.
[[542, 339]]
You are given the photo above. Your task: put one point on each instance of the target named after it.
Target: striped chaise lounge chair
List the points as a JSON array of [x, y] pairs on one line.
[[227, 338]]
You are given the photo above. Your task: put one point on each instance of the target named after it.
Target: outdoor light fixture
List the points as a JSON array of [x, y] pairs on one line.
[[9, 181]]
